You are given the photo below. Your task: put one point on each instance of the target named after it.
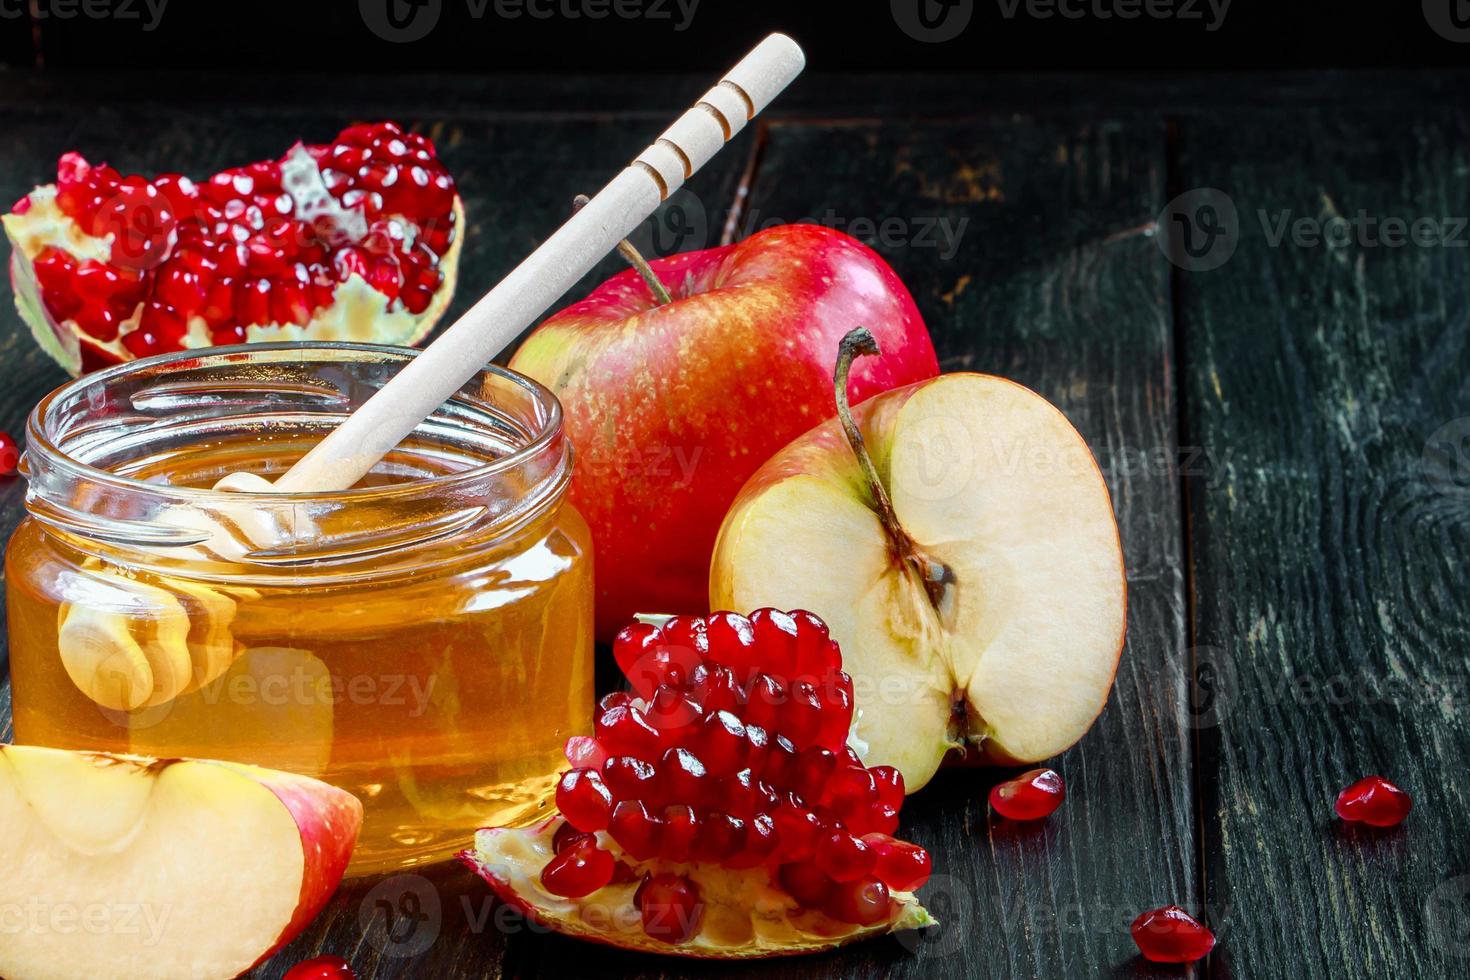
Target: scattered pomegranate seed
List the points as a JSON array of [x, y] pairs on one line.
[[1375, 801], [579, 870], [1030, 796], [321, 968], [9, 454], [730, 749], [1171, 935], [670, 906]]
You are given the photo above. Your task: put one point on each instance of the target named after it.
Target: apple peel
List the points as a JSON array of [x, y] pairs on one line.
[[746, 915]]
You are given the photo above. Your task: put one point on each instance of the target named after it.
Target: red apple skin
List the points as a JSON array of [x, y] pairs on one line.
[[329, 820], [671, 408]]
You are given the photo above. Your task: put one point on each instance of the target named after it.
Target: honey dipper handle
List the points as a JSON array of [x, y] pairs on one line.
[[426, 382]]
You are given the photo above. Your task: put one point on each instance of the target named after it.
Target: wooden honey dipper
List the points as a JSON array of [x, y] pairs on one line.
[[123, 671]]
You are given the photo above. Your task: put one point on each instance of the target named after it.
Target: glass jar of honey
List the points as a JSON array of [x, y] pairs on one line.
[[423, 640]]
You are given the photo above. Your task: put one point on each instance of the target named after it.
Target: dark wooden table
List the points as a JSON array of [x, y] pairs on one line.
[[1286, 435]]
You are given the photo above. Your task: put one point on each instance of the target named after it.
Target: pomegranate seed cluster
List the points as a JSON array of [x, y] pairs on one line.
[[234, 251], [731, 750]]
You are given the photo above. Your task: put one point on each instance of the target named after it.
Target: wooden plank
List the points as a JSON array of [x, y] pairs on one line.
[[1050, 282], [1327, 558]]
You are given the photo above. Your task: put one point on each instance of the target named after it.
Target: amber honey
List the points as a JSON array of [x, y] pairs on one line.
[[424, 642]]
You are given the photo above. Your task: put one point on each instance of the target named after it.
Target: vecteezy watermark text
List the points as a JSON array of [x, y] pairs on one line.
[[33, 916], [148, 12], [1210, 12], [403, 21]]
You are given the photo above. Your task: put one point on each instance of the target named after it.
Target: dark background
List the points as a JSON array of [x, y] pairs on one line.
[[849, 35]]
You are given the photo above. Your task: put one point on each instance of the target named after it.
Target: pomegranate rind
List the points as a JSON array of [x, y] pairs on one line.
[[62, 342], [746, 916]]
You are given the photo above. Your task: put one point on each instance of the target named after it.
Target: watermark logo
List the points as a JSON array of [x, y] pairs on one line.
[[681, 224], [401, 21], [401, 915], [1199, 230], [148, 13], [1447, 916], [932, 21], [1446, 460], [1210, 12], [1208, 683], [1450, 19]]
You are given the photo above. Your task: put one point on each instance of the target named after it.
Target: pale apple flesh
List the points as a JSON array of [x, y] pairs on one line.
[[1016, 659], [124, 866]]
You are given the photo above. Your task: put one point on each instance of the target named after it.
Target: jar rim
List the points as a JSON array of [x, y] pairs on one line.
[[40, 440]]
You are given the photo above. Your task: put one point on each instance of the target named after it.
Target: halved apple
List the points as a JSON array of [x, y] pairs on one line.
[[959, 540], [124, 866]]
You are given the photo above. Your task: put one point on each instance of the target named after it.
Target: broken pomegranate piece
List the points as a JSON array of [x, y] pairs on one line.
[[356, 239], [1374, 801], [724, 783]]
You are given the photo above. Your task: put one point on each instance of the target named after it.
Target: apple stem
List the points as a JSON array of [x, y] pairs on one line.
[[936, 576], [635, 259]]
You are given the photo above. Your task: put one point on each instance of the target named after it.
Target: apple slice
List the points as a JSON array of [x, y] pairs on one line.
[[124, 866], [970, 567]]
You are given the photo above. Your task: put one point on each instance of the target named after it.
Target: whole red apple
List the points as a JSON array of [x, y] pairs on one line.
[[671, 407]]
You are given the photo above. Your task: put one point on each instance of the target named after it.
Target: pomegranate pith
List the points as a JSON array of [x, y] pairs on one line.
[[1171, 935], [731, 751], [1375, 801], [1030, 796], [149, 266]]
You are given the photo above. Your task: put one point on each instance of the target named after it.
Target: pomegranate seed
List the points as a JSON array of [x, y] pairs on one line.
[[682, 777], [635, 829], [9, 454], [806, 884], [1030, 796], [813, 768], [864, 902], [851, 786], [670, 907], [837, 708], [732, 643], [721, 836], [633, 649], [1375, 801], [843, 856], [1171, 935], [578, 871], [624, 730], [797, 828], [715, 689], [801, 716], [321, 968], [776, 638], [761, 841], [721, 744], [681, 827], [890, 785], [617, 699], [780, 762], [764, 699], [584, 799], [815, 651], [674, 715], [23, 206], [901, 866], [566, 835], [628, 778]]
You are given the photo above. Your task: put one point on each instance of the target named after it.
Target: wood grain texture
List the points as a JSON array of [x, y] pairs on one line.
[[1328, 558], [1043, 275]]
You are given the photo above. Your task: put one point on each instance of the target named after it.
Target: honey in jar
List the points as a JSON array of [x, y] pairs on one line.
[[423, 640]]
